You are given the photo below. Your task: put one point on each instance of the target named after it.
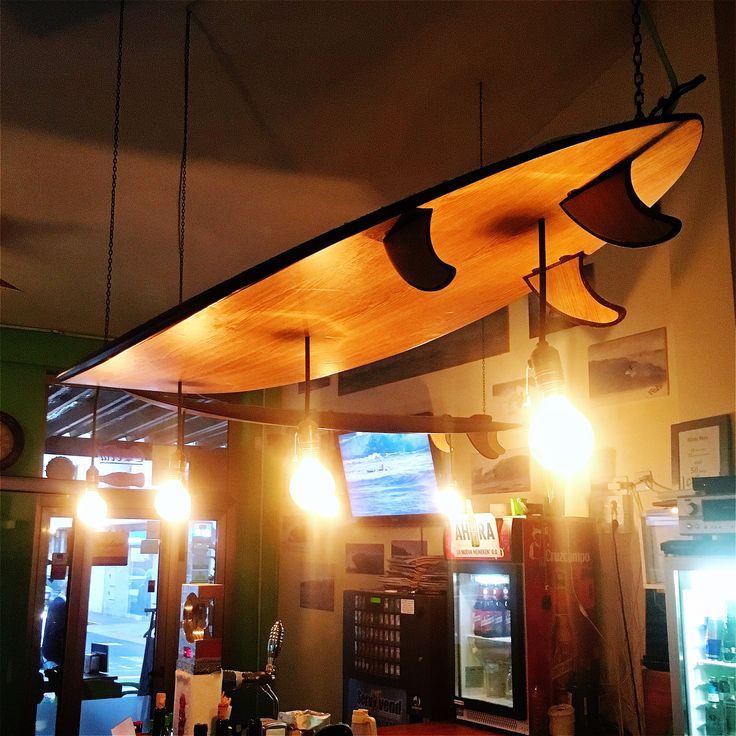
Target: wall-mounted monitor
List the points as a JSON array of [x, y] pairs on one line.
[[389, 475]]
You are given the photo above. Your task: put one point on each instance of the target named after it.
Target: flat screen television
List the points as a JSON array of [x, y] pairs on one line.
[[388, 475]]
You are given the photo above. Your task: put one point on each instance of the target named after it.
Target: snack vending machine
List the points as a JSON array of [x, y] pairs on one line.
[[394, 656], [522, 615]]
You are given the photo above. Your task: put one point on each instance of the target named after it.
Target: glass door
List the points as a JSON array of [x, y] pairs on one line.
[[703, 592], [120, 635], [53, 618], [489, 651]]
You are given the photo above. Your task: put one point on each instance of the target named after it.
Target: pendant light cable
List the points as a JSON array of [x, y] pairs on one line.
[[542, 281], [183, 166], [182, 211]]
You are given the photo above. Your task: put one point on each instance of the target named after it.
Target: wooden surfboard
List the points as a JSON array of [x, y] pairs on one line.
[[407, 273]]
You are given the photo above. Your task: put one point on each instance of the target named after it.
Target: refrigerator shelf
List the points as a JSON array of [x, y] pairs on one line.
[[715, 663], [492, 642]]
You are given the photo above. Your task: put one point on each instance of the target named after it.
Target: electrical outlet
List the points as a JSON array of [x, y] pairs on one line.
[[616, 507]]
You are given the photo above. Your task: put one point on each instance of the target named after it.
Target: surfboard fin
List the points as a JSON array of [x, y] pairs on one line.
[[409, 248], [570, 293], [486, 443], [609, 208]]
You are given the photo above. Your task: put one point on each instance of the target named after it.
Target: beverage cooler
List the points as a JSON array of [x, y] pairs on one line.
[[700, 586], [521, 610], [394, 656]]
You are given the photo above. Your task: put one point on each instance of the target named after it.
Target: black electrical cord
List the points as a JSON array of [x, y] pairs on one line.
[[614, 527]]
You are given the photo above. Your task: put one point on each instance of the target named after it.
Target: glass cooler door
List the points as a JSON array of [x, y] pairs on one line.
[[701, 613], [489, 651]]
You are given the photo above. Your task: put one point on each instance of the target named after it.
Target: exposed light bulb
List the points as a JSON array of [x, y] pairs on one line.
[[560, 437], [312, 487], [173, 502], [449, 501], [92, 508]]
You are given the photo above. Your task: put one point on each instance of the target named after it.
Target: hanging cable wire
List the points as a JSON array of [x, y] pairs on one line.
[[182, 210], [183, 166], [483, 320]]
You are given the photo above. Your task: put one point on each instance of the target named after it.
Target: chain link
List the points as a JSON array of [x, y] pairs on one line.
[[483, 360], [637, 58], [183, 166], [114, 182]]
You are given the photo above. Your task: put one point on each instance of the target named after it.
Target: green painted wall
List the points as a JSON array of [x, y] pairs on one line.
[[27, 357], [17, 523]]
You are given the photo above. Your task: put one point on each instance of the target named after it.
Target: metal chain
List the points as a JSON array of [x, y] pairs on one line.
[[113, 185], [480, 120], [183, 166], [483, 360], [111, 235], [483, 320], [637, 58]]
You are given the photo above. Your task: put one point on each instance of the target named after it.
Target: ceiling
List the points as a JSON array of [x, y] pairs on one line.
[[303, 115]]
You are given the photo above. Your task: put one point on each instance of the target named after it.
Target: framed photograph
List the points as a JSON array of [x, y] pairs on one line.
[[701, 448], [366, 559], [632, 367], [317, 589], [508, 473]]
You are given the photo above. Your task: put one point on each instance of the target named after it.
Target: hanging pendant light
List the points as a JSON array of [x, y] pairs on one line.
[[560, 437], [312, 486], [92, 507], [173, 502]]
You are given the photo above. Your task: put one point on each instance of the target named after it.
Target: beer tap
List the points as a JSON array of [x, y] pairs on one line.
[[233, 680]]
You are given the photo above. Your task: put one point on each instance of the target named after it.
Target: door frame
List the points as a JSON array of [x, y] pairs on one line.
[[58, 498]]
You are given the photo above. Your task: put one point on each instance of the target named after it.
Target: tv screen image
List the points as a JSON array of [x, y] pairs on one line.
[[388, 474]]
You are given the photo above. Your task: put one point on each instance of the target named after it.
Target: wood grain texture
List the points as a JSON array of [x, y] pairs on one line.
[[334, 420], [570, 293], [341, 289]]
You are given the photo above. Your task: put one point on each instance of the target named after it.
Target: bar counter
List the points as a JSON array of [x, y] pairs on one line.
[[434, 729]]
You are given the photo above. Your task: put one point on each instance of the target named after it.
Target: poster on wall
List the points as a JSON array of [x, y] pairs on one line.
[[317, 588], [508, 400], [508, 473], [408, 547], [366, 559], [633, 367]]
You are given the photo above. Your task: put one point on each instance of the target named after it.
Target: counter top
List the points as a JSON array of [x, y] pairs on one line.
[[433, 729]]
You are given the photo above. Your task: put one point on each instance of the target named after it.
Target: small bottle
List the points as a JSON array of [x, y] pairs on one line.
[[713, 636], [715, 714], [728, 648], [538, 713], [222, 724], [158, 727]]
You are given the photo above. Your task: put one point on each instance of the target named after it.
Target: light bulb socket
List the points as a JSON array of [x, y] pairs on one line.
[[547, 366], [307, 439], [92, 476]]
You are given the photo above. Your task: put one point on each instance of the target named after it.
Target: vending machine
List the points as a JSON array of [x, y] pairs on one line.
[[522, 614], [394, 656]]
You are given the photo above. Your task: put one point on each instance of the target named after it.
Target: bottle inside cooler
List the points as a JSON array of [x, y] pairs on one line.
[[483, 637]]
